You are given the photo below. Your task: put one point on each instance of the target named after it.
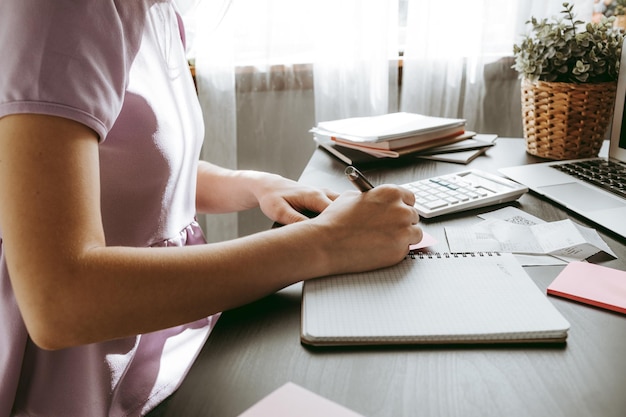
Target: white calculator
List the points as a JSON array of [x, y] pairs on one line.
[[460, 191]]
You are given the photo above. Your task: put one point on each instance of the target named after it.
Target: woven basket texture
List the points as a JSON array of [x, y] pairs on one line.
[[566, 120]]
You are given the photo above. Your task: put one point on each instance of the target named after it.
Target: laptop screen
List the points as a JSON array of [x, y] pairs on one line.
[[622, 135], [618, 130]]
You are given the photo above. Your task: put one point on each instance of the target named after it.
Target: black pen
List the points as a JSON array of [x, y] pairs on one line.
[[358, 179]]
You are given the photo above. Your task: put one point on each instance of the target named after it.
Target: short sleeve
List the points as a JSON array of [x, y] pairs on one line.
[[68, 58]]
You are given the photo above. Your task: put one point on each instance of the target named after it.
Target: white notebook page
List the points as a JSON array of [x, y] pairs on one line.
[[446, 298]]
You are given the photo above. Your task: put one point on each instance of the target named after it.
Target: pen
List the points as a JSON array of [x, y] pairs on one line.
[[358, 179]]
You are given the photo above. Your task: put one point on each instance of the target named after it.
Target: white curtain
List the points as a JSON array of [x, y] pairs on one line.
[[355, 61], [457, 61], [268, 70]]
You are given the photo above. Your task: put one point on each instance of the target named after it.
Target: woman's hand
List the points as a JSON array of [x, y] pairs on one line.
[[370, 230], [286, 201]]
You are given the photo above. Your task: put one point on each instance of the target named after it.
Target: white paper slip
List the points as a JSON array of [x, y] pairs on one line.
[[516, 216], [563, 239], [512, 215]]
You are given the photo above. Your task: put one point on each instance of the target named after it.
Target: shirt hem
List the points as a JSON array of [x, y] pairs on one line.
[[54, 109]]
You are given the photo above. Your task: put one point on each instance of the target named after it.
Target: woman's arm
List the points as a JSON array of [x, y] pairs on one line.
[[220, 190], [72, 289]]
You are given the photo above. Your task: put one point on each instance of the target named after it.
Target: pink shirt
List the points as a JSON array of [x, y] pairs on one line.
[[117, 66]]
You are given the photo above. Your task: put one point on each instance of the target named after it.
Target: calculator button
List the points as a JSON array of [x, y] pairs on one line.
[[435, 204]]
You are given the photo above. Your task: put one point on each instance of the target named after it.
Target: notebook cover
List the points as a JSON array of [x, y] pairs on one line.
[[431, 299], [592, 284]]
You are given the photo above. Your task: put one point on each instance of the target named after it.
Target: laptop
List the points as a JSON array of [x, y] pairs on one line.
[[600, 198]]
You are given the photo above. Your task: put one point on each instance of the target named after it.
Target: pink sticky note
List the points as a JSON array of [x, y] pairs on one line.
[[427, 240], [592, 284], [293, 400]]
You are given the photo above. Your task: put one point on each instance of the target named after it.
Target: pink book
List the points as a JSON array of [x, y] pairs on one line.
[[592, 284]]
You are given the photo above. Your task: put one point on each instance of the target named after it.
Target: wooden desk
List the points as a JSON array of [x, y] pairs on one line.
[[256, 348]]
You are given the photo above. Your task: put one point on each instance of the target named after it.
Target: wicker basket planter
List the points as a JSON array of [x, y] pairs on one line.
[[566, 120]]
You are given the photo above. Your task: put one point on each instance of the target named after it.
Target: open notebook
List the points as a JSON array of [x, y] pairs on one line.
[[431, 299]]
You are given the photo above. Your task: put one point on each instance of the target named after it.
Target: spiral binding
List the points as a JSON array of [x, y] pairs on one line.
[[431, 255]]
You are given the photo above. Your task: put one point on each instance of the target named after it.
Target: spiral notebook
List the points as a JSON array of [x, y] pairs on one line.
[[431, 299]]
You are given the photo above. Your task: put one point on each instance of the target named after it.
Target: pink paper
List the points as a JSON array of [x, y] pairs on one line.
[[292, 400], [592, 284], [427, 240]]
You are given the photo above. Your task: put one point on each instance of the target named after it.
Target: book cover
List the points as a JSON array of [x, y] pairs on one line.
[[477, 141], [464, 153], [385, 127], [399, 143], [407, 150], [355, 156], [464, 157]]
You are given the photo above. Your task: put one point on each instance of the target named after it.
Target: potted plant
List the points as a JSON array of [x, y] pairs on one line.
[[569, 76]]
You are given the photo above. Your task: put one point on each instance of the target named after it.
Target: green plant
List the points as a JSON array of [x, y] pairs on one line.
[[558, 51]]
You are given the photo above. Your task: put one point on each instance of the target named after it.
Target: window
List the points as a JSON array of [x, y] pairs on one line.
[[285, 31]]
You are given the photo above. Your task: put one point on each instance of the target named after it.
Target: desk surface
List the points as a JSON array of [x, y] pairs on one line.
[[256, 348]]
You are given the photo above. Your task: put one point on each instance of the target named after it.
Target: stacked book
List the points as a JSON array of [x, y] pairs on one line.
[[362, 140]]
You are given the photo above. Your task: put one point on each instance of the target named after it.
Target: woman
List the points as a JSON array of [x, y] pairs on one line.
[[100, 132]]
